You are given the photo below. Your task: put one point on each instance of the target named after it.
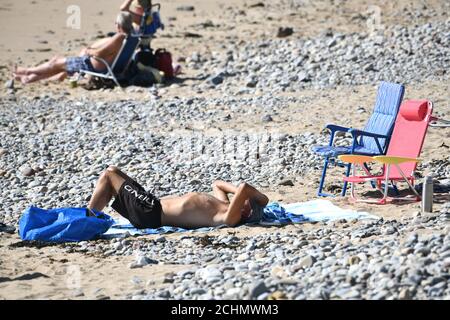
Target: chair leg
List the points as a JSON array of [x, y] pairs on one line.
[[411, 186], [386, 185], [394, 186], [367, 171], [322, 180], [347, 173], [352, 187], [115, 81]]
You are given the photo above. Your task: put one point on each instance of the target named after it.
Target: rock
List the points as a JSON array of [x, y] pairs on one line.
[[257, 5], [185, 8], [279, 272], [389, 230], [142, 261], [284, 32], [287, 182], [192, 35], [251, 83], [368, 67], [78, 293], [267, 118], [7, 229], [277, 295], [161, 239], [209, 272], [216, 80], [197, 291], [27, 171], [302, 76], [331, 43], [9, 84], [242, 257], [404, 294], [354, 260], [307, 261], [348, 294]]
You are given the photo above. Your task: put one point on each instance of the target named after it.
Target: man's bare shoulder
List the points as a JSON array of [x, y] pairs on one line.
[[118, 37]]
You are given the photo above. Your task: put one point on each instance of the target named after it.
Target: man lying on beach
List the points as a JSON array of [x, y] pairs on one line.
[[58, 68], [191, 210]]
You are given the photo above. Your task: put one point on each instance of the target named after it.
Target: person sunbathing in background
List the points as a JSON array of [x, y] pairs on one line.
[[58, 68], [191, 210], [138, 10]]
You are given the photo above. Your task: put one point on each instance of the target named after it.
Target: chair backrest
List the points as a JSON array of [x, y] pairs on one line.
[[150, 22], [389, 98], [125, 54], [409, 134]]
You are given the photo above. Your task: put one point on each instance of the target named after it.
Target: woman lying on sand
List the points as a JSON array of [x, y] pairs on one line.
[[191, 210], [58, 68]]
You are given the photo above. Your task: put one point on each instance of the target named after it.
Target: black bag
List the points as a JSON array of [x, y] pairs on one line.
[[146, 57]]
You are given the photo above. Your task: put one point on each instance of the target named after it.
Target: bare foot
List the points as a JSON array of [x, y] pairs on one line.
[[24, 79]]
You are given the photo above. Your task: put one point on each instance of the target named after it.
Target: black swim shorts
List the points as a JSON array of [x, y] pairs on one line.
[[142, 208]]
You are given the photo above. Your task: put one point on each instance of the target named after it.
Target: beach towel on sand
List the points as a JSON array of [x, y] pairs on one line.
[[274, 214]]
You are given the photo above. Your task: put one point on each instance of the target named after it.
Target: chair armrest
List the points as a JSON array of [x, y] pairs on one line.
[[356, 133], [335, 128], [354, 158], [394, 159], [104, 62]]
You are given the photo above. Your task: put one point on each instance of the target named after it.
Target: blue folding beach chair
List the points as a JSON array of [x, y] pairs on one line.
[[150, 23], [117, 69], [373, 140]]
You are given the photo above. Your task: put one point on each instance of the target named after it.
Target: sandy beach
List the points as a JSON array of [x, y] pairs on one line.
[[68, 135]]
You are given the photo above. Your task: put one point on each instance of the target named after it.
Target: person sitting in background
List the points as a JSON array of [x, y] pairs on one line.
[[191, 210], [138, 11], [58, 68]]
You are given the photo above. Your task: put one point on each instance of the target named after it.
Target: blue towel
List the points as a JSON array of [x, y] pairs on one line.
[[277, 214], [122, 227]]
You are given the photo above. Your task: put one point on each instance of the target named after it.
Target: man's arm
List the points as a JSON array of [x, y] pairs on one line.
[[244, 192], [222, 188], [126, 7], [253, 193]]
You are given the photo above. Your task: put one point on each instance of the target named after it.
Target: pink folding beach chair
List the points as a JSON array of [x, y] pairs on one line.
[[400, 160]]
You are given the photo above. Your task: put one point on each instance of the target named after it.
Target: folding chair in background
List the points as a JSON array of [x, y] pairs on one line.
[[373, 140], [117, 69], [401, 160], [150, 23]]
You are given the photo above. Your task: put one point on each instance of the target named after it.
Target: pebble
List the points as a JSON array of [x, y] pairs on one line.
[[307, 261], [27, 171], [142, 261]]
